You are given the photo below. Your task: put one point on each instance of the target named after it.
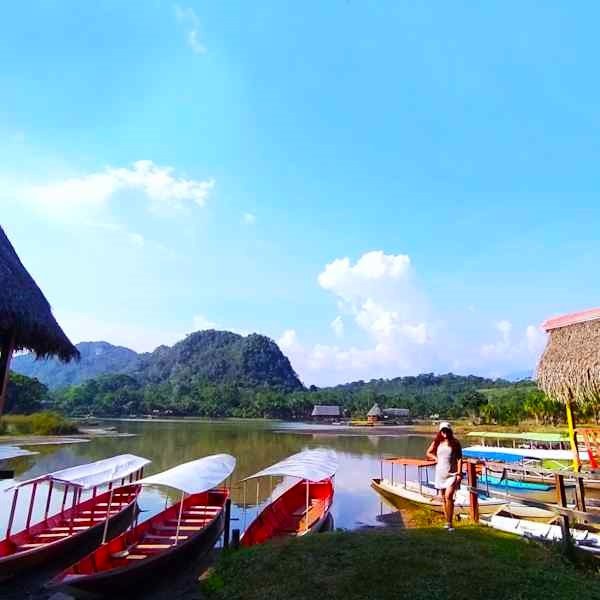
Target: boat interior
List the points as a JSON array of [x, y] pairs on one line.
[[70, 522], [288, 514], [155, 536]]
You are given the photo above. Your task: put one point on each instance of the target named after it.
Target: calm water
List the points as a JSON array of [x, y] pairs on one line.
[[255, 444]]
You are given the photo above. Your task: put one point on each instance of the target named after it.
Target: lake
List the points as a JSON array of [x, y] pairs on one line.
[[254, 443]]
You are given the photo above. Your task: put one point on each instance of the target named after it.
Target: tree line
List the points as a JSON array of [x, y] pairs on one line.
[[443, 396]]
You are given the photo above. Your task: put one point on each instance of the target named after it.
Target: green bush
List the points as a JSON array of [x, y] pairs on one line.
[[2, 427], [41, 423]]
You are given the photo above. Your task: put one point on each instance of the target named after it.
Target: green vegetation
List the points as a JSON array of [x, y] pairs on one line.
[[42, 423], [25, 395], [427, 564], [97, 358]]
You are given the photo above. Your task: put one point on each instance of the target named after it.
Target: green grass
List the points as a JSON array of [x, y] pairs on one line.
[[471, 563], [41, 423]]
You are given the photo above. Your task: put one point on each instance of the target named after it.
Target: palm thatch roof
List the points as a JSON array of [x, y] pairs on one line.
[[375, 411], [569, 369], [25, 312]]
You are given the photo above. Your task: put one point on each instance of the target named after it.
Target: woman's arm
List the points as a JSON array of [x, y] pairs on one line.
[[431, 452]]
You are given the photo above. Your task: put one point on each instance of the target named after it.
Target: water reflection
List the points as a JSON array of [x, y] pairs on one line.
[[255, 444]]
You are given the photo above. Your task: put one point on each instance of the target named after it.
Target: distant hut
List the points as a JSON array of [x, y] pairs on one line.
[[569, 369], [26, 321], [326, 412], [396, 414], [374, 415]]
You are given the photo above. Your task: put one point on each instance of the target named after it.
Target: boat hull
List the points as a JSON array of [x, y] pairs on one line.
[[398, 494], [113, 570], [14, 560], [286, 516]]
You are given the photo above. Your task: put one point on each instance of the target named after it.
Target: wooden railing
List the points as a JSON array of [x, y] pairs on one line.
[[567, 515]]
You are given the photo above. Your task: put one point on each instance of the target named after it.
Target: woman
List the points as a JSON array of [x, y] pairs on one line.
[[447, 452]]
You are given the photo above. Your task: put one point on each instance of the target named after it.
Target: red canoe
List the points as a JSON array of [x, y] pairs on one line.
[[152, 548], [302, 508], [288, 516]]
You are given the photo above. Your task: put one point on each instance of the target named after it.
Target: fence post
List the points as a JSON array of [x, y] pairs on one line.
[[227, 523], [561, 499], [235, 539], [580, 495], [473, 496]]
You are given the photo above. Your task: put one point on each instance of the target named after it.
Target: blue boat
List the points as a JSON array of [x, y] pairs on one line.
[[513, 483]]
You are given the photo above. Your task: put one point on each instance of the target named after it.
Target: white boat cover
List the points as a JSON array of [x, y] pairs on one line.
[[537, 453], [313, 465], [7, 452], [93, 474], [195, 476]]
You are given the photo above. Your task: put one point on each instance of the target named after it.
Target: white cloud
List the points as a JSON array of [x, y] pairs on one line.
[[85, 197], [189, 19], [379, 294], [338, 326], [249, 218], [200, 322]]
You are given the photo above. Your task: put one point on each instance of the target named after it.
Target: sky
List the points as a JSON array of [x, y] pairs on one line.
[[384, 188]]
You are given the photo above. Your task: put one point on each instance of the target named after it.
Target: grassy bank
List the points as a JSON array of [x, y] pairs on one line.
[[41, 423], [472, 562]]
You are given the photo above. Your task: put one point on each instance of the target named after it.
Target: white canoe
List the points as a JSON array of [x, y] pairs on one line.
[[584, 539]]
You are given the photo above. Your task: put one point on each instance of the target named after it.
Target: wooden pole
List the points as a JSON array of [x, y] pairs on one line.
[[8, 345], [50, 488], [227, 523], [12, 513], [561, 499], [473, 497], [105, 532], [31, 503], [573, 436], [307, 500]]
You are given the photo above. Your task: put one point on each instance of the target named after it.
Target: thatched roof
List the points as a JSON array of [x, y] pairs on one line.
[[569, 369], [375, 411], [25, 311], [326, 410]]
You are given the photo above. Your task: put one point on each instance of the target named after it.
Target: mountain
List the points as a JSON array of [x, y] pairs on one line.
[[218, 357], [520, 375], [97, 358]]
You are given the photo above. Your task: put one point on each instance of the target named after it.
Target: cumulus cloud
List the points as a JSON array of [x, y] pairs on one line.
[[380, 296], [188, 19]]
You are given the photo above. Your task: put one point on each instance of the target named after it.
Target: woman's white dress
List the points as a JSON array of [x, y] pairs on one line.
[[444, 477]]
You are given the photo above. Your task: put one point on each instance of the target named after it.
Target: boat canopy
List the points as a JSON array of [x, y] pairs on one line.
[[195, 476], [529, 437], [312, 465], [415, 462], [8, 452], [93, 474]]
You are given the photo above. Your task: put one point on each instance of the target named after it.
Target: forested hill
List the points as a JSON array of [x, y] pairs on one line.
[[219, 357], [97, 358], [213, 357]]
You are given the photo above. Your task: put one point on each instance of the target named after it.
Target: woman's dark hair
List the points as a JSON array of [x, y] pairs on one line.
[[452, 441]]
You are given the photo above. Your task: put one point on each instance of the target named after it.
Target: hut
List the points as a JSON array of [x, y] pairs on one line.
[[325, 412], [374, 415], [569, 369], [26, 320], [396, 415]]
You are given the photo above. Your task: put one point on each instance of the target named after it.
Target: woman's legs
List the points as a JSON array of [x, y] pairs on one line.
[[449, 503]]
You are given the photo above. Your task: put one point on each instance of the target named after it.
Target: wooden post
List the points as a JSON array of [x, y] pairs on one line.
[[235, 539], [8, 345], [581, 495], [561, 499], [473, 496], [105, 531], [227, 523], [12, 512], [31, 503], [573, 435]]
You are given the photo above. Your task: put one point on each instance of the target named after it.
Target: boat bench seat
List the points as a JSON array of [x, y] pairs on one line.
[[67, 529], [153, 546], [136, 556], [174, 528], [57, 534], [31, 545], [158, 536]]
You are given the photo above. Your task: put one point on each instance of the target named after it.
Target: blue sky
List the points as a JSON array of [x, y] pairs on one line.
[[384, 188]]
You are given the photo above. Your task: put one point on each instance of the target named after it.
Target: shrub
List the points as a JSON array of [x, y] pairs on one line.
[[41, 423]]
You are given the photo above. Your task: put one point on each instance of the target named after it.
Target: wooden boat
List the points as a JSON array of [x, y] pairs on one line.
[[81, 524], [156, 546], [582, 538], [421, 491], [304, 507]]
